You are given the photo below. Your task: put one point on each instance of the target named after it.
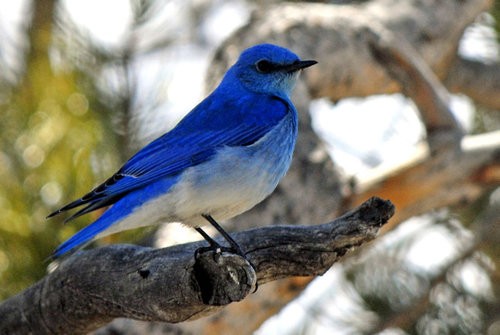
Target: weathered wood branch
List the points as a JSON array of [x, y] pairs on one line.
[[93, 287], [419, 83]]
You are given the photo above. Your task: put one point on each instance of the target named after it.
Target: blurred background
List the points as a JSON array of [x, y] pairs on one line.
[[84, 84]]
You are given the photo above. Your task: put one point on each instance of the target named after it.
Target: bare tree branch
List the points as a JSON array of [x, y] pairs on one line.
[[419, 83], [92, 287], [478, 80], [403, 319], [427, 183]]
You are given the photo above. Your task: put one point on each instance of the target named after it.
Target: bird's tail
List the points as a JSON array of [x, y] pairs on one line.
[[82, 237], [115, 214]]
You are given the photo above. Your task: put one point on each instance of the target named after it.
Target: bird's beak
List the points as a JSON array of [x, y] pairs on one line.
[[299, 65]]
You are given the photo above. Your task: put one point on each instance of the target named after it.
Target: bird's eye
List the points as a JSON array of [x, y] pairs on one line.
[[264, 66]]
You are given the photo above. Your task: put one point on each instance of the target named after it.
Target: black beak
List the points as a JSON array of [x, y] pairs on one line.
[[298, 65]]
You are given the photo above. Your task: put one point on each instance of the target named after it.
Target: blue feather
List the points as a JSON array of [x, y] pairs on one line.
[[118, 211], [190, 143]]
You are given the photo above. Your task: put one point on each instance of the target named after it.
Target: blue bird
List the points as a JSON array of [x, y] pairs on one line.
[[224, 157]]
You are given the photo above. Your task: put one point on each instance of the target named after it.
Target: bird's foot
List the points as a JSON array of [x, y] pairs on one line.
[[217, 250]]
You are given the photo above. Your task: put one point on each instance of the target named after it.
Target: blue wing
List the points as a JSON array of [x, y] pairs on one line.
[[197, 137]]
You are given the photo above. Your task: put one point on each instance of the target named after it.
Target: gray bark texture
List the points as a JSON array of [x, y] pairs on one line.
[[90, 288]]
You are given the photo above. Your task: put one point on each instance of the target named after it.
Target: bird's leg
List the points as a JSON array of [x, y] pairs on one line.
[[213, 244], [234, 246]]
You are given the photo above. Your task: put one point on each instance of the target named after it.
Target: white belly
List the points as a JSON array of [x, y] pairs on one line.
[[236, 179]]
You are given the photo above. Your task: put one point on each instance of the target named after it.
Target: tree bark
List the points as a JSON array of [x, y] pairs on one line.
[[92, 287]]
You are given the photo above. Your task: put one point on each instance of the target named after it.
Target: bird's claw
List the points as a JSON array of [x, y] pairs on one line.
[[217, 251]]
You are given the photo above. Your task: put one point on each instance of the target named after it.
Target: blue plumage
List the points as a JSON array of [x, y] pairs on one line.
[[222, 158]]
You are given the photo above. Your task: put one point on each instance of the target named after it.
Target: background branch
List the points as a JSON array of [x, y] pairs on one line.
[[338, 37], [445, 184], [419, 83], [476, 79]]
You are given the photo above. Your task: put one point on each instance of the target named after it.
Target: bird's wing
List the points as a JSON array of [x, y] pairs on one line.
[[194, 141]]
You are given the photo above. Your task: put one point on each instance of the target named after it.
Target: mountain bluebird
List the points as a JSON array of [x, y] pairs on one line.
[[221, 159]]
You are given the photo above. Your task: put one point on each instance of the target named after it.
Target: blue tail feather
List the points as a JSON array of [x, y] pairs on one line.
[[117, 212], [82, 237]]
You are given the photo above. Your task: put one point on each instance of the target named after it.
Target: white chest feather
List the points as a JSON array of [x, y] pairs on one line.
[[236, 179]]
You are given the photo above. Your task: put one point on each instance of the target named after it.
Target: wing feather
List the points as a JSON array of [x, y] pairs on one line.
[[193, 141]]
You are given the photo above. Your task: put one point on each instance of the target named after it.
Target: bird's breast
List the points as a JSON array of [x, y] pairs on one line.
[[237, 178]]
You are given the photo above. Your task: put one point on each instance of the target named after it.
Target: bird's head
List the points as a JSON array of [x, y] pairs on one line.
[[268, 68]]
